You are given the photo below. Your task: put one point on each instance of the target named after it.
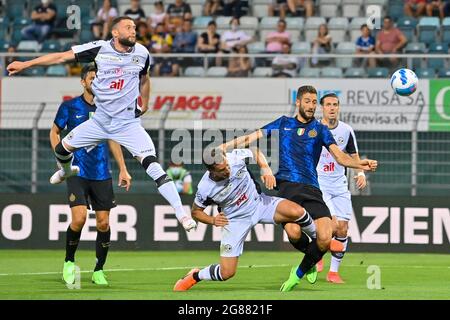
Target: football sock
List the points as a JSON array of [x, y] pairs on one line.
[[72, 240], [211, 273], [336, 257], [307, 224], [312, 256], [302, 243], [63, 157], [102, 244]]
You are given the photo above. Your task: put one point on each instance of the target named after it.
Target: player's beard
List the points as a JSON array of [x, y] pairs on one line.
[[303, 114], [127, 42]]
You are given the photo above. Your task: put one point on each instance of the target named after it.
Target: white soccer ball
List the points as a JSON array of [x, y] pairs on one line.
[[404, 82]]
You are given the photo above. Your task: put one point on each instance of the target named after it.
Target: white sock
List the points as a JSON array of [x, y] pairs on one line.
[[211, 273], [168, 189], [307, 224], [336, 257]]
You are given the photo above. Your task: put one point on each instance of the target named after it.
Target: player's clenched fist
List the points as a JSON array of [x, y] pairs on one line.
[[15, 67], [220, 220]]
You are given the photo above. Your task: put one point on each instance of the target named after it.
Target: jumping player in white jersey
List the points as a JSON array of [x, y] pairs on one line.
[[122, 75], [230, 185], [333, 181]]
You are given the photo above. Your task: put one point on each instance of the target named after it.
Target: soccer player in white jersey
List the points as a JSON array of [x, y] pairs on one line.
[[122, 76], [230, 185], [333, 181]]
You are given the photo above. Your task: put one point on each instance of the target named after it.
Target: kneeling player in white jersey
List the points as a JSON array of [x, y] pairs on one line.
[[122, 75], [333, 181], [230, 185]]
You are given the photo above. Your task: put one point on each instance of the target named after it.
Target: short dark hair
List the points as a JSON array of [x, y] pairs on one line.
[[282, 21], [86, 69], [387, 17], [305, 89], [211, 157], [212, 22], [364, 25], [235, 18], [118, 19], [328, 95]]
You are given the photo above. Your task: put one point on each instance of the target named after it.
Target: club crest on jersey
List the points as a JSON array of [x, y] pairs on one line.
[[240, 173], [135, 59], [340, 140], [312, 133], [70, 135], [300, 131]]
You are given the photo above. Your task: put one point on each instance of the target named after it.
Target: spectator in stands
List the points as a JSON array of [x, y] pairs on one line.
[[232, 38], [213, 8], [105, 16], [161, 40], [284, 65], [436, 5], [158, 16], [389, 40], [232, 8], [43, 16], [181, 177], [135, 11], [365, 44], [278, 8], [9, 60], [415, 8], [143, 34], [447, 8], [301, 8], [321, 45], [185, 39], [239, 66], [176, 13], [209, 42], [167, 68], [276, 39]]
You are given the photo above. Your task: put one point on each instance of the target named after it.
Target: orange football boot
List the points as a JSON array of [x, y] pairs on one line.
[[334, 277], [186, 282]]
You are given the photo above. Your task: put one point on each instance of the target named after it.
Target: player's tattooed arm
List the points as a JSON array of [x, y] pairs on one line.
[[345, 160], [242, 142], [267, 176], [124, 176], [145, 93], [199, 215], [45, 60]]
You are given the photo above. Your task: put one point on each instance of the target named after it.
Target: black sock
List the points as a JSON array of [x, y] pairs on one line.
[[72, 240], [101, 248], [302, 243], [312, 256], [195, 276]]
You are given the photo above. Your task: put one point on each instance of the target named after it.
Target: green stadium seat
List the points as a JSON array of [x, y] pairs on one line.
[[262, 72], [444, 73], [51, 46], [377, 72], [56, 71], [425, 73], [331, 72], [355, 73], [309, 73]]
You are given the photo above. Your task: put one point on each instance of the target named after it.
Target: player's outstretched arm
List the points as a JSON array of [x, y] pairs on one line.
[[267, 176], [242, 142], [46, 60], [55, 136], [345, 160], [199, 215], [124, 176]]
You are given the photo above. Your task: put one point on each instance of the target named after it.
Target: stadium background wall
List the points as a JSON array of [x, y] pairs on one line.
[[145, 222]]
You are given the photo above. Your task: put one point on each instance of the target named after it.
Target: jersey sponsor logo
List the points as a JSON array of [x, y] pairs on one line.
[[312, 133], [300, 131], [108, 58], [330, 167], [241, 199], [118, 85]]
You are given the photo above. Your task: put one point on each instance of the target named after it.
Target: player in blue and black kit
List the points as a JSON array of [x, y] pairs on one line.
[[93, 184], [301, 139]]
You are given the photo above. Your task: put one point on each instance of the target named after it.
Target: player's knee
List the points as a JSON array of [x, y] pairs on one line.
[[147, 161], [78, 223], [323, 242], [103, 225], [297, 212], [293, 231]]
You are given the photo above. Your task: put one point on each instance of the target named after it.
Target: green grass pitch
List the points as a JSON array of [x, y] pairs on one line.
[[36, 274]]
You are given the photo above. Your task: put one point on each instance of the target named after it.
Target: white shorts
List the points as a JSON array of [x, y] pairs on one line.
[[128, 133], [234, 234], [340, 205]]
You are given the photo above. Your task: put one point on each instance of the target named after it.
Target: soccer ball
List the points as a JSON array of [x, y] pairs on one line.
[[404, 82]]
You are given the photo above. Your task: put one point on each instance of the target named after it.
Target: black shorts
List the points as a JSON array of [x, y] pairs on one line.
[[96, 194], [307, 196]]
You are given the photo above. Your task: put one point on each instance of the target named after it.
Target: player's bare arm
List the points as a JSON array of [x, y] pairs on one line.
[[145, 93], [124, 176], [198, 214], [55, 136], [46, 60], [267, 176], [360, 178], [242, 142], [345, 160]]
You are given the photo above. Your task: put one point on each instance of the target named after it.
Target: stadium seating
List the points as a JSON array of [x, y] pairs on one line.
[[56, 71], [377, 72], [256, 47], [312, 26], [425, 73], [309, 73], [194, 72], [446, 30], [51, 46], [355, 73], [416, 47], [437, 48], [444, 73], [262, 72], [338, 29], [329, 8], [427, 29], [331, 72], [355, 27], [345, 48], [217, 72], [351, 8], [301, 47]]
